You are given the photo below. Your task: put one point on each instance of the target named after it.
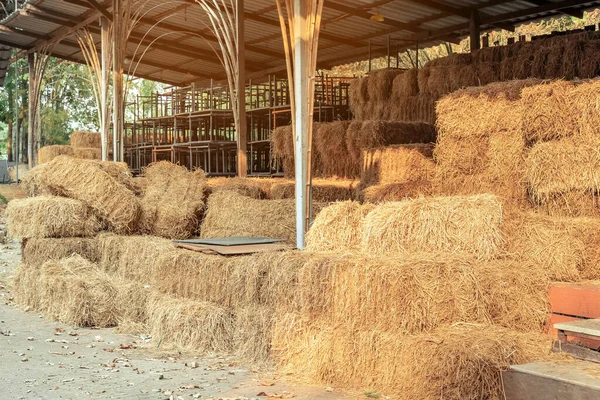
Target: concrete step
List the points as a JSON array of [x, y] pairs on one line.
[[589, 327], [553, 380], [579, 338]]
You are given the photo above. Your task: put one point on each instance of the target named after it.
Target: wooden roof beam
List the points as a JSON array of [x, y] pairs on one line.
[[102, 10], [570, 12]]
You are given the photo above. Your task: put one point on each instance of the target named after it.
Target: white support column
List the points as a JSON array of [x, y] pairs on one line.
[[105, 50], [301, 115], [118, 32], [242, 168]]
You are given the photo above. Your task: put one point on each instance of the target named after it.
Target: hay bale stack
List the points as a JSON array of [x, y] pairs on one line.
[[338, 227], [36, 251], [565, 248], [49, 153], [462, 361], [397, 164], [405, 84], [87, 153], [468, 225], [131, 257], [47, 217], [359, 98], [230, 214], [480, 144], [173, 201], [363, 135], [86, 140], [252, 334], [190, 325], [323, 190], [565, 172], [87, 182], [396, 191]]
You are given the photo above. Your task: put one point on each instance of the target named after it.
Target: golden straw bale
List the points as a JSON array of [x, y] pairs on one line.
[[73, 291], [46, 217], [230, 214], [323, 190], [397, 191], [397, 164], [131, 257], [25, 287], [263, 279], [406, 84], [461, 156], [173, 201], [282, 138], [381, 84], [371, 134], [338, 227], [480, 111], [88, 183], [419, 292], [49, 153], [573, 203], [121, 172], [565, 248], [252, 334], [36, 251], [461, 224], [563, 166], [86, 140], [87, 153], [132, 300], [460, 361], [190, 325], [257, 188], [561, 109]]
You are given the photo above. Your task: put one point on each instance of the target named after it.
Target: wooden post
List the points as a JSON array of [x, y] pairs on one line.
[[31, 111], [301, 118], [105, 54], [118, 32], [242, 158], [475, 30]]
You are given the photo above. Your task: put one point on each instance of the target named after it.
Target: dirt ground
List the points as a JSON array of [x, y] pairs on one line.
[[41, 359]]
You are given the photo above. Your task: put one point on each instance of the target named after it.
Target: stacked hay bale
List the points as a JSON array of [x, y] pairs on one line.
[[86, 145], [323, 190], [173, 201], [480, 145], [49, 153]]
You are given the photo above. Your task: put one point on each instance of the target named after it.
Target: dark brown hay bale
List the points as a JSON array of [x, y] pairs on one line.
[[50, 217], [397, 164], [86, 140], [230, 214], [381, 84], [423, 80], [492, 55], [283, 148], [330, 144], [486, 73], [439, 82], [397, 191], [36, 251], [323, 190], [173, 201], [87, 153], [49, 153], [359, 97], [87, 182], [461, 77], [406, 84], [589, 66], [461, 361], [371, 134]]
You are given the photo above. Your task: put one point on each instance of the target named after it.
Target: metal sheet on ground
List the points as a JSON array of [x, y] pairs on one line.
[[231, 241]]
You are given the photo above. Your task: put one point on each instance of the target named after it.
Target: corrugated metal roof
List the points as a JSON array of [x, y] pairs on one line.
[[181, 45]]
